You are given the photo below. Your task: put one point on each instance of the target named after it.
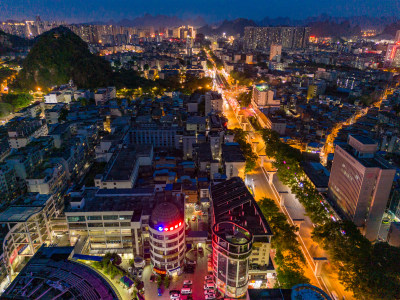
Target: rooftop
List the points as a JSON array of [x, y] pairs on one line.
[[24, 207], [165, 213], [232, 201]]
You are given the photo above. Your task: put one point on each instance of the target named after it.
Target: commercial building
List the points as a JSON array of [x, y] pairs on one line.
[[360, 183], [156, 135], [28, 220], [392, 58], [241, 239], [123, 167], [52, 274], [263, 37], [167, 239], [213, 103], [111, 220]]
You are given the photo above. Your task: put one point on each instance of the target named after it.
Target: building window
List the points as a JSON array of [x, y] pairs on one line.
[[76, 219]]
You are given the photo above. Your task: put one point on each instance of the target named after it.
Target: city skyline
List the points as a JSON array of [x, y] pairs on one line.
[[105, 10]]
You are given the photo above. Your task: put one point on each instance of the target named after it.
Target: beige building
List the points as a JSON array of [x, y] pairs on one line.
[[360, 184]]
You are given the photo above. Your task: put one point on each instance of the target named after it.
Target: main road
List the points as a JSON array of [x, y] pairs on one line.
[[327, 279]]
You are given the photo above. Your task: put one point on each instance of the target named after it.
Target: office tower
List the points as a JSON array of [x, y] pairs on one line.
[[360, 183], [263, 37], [275, 52]]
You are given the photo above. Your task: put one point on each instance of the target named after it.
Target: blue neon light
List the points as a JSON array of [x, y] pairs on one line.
[[160, 228]]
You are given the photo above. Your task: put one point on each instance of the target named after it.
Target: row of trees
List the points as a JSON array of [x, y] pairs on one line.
[[108, 265], [251, 158], [289, 259], [369, 270], [218, 62]]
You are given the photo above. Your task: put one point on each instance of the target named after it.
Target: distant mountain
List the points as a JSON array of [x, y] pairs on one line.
[[59, 55], [391, 29], [161, 21], [9, 42], [229, 27]]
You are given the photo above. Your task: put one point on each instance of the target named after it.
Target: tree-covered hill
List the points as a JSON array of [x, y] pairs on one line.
[[59, 55]]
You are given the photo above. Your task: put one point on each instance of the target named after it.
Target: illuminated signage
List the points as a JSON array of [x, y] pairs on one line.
[[169, 228]]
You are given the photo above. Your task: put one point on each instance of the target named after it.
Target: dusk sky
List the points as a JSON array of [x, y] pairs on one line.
[[102, 10]]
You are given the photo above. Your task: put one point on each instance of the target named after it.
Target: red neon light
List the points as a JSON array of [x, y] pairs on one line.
[[180, 223], [166, 229], [176, 226], [171, 228]]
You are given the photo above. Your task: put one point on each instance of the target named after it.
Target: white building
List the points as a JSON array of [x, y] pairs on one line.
[[213, 103]]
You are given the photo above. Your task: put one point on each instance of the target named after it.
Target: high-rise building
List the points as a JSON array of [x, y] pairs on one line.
[[264, 37], [392, 57], [275, 52], [241, 239], [360, 184], [263, 97]]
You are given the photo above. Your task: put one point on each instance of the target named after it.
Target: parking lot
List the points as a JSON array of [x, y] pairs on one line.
[[177, 281]]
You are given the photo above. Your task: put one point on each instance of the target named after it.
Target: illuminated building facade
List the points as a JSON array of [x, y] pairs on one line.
[[392, 57], [167, 239], [241, 240], [360, 183]]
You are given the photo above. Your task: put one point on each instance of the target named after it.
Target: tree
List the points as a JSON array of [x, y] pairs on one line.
[[244, 98], [18, 100], [5, 109], [167, 281], [159, 281]]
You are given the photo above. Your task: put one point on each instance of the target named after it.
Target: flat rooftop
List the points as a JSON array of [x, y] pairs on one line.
[[24, 207], [374, 162], [231, 198], [231, 152], [119, 200], [364, 139]]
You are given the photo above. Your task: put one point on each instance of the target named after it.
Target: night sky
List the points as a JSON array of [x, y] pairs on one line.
[[211, 10]]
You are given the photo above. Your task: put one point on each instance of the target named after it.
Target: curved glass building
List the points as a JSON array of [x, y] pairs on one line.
[[167, 239], [232, 245]]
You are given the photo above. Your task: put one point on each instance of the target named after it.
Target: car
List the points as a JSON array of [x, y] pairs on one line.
[[191, 262], [208, 282], [187, 282], [134, 273], [208, 292], [152, 278], [193, 218], [208, 277], [174, 292], [201, 250], [385, 221], [209, 297], [159, 292], [140, 273], [175, 296], [130, 269], [186, 291]]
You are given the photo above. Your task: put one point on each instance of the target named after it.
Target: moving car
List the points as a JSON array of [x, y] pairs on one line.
[[186, 291], [140, 273], [201, 251], [193, 218]]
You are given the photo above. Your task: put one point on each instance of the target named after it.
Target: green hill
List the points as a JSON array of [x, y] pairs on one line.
[[9, 42], [59, 55]]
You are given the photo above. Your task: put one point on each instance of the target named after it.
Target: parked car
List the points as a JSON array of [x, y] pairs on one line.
[[187, 282], [159, 292], [209, 296], [140, 273], [208, 277], [171, 292]]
